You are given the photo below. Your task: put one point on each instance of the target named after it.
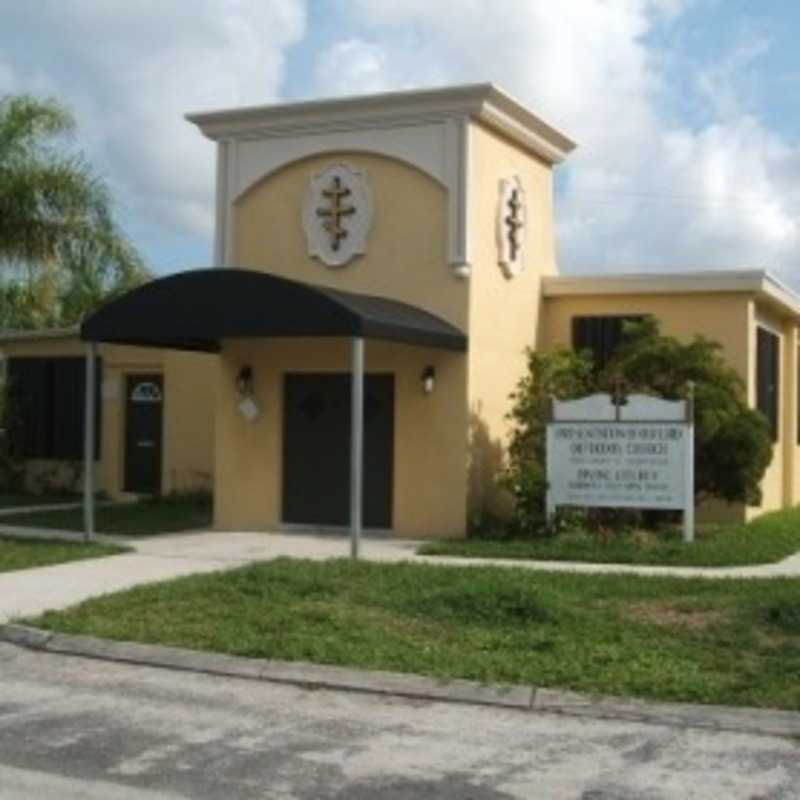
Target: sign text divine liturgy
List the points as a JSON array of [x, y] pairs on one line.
[[630, 464], [640, 454]]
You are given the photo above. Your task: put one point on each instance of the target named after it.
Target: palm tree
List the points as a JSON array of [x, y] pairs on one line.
[[56, 228]]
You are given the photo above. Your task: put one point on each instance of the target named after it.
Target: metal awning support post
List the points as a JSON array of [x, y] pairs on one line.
[[356, 445], [89, 443]]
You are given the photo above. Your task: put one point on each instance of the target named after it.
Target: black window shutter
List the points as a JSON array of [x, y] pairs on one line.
[[582, 329], [600, 335], [48, 407], [29, 382], [768, 378]]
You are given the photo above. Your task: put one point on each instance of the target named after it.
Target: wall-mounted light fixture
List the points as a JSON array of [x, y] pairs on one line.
[[245, 385], [244, 381], [428, 378]]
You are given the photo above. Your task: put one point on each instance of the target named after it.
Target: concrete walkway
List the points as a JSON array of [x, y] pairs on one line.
[[238, 547], [157, 558]]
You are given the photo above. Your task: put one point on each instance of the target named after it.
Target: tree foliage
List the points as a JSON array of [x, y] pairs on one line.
[[733, 446], [60, 251], [732, 442]]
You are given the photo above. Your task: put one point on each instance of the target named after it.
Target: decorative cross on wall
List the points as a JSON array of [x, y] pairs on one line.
[[513, 223], [336, 212]]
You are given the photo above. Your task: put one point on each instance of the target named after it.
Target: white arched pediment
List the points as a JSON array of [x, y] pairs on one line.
[[438, 149], [260, 169]]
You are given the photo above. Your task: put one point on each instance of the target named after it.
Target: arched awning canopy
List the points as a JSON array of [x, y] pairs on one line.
[[196, 310]]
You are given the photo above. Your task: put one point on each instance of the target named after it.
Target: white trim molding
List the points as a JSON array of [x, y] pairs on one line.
[[221, 207], [758, 282], [428, 129]]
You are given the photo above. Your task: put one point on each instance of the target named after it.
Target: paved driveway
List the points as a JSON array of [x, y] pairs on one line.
[[73, 728], [157, 558]]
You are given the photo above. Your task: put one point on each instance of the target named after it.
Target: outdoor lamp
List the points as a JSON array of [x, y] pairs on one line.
[[428, 379], [244, 381], [248, 407]]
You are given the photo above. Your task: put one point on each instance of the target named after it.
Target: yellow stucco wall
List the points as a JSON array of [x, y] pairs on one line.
[[729, 318], [190, 383], [429, 441], [406, 255], [188, 413], [405, 260], [720, 316], [504, 312]]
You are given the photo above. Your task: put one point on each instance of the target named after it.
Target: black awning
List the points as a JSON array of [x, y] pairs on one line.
[[196, 310]]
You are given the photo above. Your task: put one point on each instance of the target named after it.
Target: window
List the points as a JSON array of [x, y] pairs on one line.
[[601, 335], [768, 377], [47, 407]]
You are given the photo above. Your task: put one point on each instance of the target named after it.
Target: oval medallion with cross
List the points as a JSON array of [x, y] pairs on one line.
[[337, 214]]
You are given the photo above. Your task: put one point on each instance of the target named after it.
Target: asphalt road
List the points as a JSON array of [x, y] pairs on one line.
[[75, 728]]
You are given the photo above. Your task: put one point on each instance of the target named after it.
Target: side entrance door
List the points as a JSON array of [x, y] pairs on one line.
[[143, 433], [316, 449]]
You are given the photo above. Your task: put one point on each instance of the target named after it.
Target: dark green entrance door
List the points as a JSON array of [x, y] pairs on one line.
[[143, 433], [316, 449]]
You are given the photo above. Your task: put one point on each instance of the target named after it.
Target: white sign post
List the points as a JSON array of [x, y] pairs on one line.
[[636, 454]]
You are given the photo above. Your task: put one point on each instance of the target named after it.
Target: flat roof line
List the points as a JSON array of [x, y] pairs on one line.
[[757, 281]]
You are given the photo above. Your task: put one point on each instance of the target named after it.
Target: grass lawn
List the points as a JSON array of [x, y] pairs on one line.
[[125, 519], [13, 499], [733, 642], [27, 553], [769, 538]]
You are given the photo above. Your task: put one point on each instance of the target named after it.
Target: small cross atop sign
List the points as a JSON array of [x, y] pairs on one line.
[[618, 391], [336, 212], [513, 223]]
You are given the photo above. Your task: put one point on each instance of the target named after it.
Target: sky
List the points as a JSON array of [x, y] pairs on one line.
[[686, 112]]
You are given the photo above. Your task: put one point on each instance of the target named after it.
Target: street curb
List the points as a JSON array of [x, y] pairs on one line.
[[417, 687]]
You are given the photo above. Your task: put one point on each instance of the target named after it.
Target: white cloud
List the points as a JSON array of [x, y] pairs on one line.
[[641, 191], [351, 66], [131, 70]]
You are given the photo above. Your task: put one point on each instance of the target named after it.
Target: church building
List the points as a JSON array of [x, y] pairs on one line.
[[406, 237]]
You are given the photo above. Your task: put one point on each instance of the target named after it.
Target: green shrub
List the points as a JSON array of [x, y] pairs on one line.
[[528, 488], [561, 373], [733, 447]]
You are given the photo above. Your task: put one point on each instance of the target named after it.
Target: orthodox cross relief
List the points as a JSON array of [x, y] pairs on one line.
[[511, 214], [337, 214], [514, 223]]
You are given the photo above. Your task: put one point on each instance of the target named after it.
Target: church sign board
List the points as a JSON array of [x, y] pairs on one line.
[[634, 453]]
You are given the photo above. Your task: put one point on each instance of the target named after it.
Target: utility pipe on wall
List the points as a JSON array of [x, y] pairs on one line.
[[89, 443]]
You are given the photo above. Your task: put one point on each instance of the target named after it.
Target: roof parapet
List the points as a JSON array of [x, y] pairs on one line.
[[481, 101]]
